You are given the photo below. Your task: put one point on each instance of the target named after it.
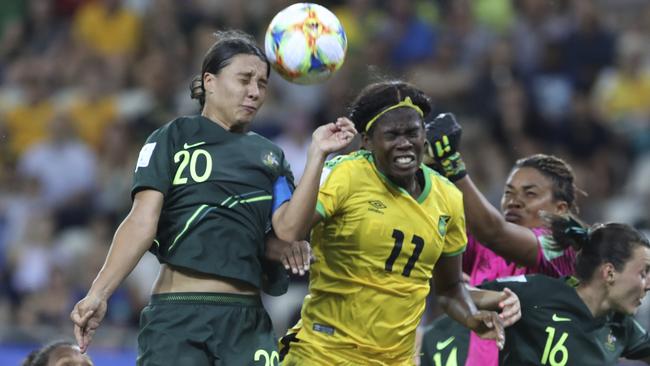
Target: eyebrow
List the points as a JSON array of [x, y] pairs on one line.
[[250, 74], [528, 186]]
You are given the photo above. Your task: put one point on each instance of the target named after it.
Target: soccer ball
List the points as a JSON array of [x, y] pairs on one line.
[[305, 43]]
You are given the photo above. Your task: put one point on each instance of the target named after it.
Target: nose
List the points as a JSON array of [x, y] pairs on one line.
[[253, 91], [404, 143], [513, 201]]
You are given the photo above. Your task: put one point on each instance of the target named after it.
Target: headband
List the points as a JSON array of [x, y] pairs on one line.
[[405, 103]]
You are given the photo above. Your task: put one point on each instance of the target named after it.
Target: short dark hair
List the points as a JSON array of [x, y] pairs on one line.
[[602, 243], [378, 96], [560, 174], [228, 45]]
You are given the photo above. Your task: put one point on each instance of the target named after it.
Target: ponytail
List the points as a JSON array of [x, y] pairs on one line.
[[601, 243], [196, 89], [568, 232]]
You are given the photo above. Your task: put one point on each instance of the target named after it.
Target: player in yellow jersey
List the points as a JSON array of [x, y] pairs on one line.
[[385, 225]]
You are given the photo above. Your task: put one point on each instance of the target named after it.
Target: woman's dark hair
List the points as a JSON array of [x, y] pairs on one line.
[[559, 172], [376, 97], [41, 356], [228, 45], [602, 243]]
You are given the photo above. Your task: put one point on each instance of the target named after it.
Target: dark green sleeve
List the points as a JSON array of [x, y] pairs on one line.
[[637, 340], [153, 168]]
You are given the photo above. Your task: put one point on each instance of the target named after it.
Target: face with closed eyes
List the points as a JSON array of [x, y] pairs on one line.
[[236, 92], [396, 141], [529, 192]]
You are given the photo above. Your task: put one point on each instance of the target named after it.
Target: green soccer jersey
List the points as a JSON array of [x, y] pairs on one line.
[[218, 196], [558, 329], [444, 343]]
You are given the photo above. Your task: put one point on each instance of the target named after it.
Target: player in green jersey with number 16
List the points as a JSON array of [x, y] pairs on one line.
[[206, 194], [586, 319]]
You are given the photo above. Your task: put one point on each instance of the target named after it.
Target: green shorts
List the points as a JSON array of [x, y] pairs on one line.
[[216, 329]]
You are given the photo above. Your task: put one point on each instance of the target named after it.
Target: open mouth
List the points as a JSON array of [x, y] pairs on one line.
[[404, 162]]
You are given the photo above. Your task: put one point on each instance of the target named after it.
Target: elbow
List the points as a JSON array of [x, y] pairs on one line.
[[287, 231]]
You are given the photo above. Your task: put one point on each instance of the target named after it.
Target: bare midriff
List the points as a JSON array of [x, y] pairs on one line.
[[175, 279]]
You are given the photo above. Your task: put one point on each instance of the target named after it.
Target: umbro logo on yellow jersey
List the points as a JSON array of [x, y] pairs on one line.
[[376, 206]]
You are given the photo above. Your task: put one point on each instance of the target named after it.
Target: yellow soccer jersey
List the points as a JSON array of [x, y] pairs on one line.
[[375, 251]]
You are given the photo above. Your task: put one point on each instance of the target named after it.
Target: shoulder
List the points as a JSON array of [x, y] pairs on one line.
[[260, 139], [172, 127], [351, 159], [343, 166], [441, 183]]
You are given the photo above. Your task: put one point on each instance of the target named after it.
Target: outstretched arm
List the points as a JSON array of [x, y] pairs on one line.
[[132, 239], [455, 300], [511, 241], [292, 220]]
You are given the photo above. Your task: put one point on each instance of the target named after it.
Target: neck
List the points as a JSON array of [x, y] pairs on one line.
[[409, 184], [595, 297], [218, 119]]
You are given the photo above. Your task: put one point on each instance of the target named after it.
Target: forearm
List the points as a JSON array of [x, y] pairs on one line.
[[293, 220], [484, 221], [131, 241], [457, 303], [485, 299]]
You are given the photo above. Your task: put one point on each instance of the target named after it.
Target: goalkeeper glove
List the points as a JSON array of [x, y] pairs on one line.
[[443, 140]]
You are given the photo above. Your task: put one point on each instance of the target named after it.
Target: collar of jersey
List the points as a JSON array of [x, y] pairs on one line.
[[427, 180]]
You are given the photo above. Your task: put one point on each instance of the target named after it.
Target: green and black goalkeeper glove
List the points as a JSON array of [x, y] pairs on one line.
[[443, 140]]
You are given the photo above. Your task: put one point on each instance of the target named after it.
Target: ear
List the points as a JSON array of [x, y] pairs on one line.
[[365, 141], [561, 207], [608, 273], [208, 81]]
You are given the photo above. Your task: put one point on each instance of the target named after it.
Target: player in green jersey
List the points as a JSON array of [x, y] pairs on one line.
[[586, 319], [206, 193]]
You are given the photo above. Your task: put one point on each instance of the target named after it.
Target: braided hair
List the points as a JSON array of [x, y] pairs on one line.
[[559, 172]]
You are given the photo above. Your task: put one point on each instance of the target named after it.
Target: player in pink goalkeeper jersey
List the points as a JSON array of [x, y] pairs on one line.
[[511, 242]]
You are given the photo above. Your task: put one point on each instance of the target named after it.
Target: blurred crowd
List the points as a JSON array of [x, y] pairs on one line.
[[83, 83]]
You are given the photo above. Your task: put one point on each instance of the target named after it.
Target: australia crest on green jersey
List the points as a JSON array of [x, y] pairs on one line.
[[270, 159]]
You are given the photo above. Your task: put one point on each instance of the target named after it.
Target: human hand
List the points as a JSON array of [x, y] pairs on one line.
[[510, 307], [86, 315], [443, 142], [488, 325], [296, 257], [334, 136]]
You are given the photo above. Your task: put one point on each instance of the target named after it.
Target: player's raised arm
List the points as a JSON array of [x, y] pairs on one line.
[[293, 219], [537, 184]]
